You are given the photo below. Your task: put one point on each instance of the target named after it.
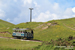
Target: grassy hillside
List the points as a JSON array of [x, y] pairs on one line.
[[5, 26], [59, 29], [45, 31]]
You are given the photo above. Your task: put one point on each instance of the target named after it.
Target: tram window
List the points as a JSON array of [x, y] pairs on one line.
[[28, 31], [15, 31], [21, 31], [25, 31], [32, 31]]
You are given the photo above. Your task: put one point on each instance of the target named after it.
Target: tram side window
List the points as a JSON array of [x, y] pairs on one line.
[[20, 31]]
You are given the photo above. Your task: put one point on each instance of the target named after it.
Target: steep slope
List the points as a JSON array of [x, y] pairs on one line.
[[57, 31], [5, 26]]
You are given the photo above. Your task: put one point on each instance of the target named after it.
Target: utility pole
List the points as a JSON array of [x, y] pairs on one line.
[[31, 14]]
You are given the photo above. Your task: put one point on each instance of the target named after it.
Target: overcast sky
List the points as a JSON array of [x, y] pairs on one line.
[[17, 11]]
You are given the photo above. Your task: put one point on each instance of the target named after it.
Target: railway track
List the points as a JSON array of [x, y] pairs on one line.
[[21, 39]]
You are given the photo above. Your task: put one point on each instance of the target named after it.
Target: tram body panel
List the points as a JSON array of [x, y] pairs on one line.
[[18, 34]]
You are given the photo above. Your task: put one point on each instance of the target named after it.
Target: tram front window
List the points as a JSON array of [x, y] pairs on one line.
[[32, 31]]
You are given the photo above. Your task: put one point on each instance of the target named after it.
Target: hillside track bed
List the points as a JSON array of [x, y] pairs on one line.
[[21, 39]]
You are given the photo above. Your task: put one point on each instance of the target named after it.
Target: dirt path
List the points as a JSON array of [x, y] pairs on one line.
[[43, 26], [21, 39], [68, 26], [39, 26]]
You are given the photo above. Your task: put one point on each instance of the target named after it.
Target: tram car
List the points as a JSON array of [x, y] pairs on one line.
[[23, 33]]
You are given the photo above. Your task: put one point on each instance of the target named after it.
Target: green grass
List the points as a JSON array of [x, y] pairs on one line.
[[28, 24], [58, 44], [51, 47], [54, 32], [4, 25], [5, 35], [17, 44]]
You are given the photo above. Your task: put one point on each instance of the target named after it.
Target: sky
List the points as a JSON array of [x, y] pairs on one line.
[[17, 11]]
